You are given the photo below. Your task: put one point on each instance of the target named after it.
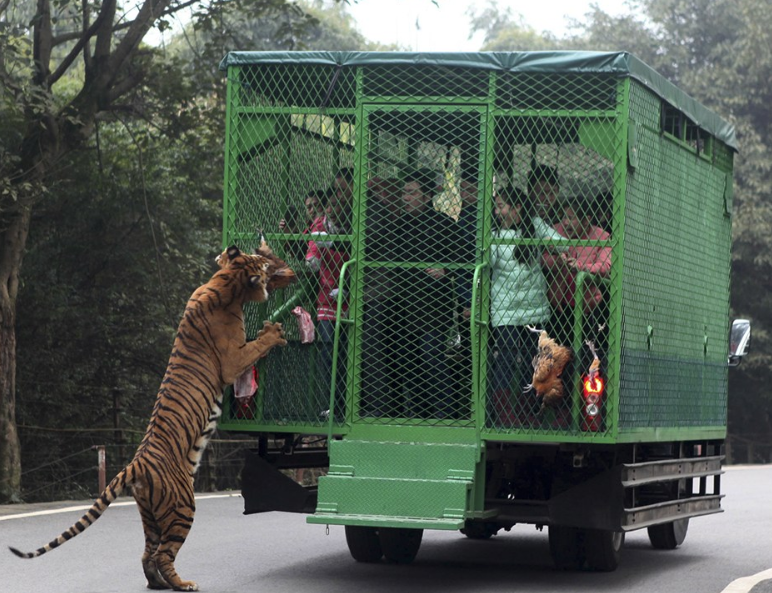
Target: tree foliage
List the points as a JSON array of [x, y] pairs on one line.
[[124, 219], [505, 32]]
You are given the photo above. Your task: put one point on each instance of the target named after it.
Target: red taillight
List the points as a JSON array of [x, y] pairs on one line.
[[593, 398], [593, 386]]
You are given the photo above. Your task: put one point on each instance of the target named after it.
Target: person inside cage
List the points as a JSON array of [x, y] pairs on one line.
[[379, 340], [543, 190], [326, 257], [467, 221], [602, 212], [314, 206], [518, 299], [577, 223], [461, 351], [424, 298]]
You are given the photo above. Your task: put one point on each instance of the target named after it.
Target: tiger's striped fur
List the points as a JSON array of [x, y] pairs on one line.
[[210, 351]]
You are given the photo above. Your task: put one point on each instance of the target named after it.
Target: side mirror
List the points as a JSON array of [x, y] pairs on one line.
[[739, 341]]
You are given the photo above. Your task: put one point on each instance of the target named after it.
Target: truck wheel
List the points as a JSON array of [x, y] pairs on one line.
[[566, 547], [363, 543], [400, 545], [668, 536], [477, 530], [602, 549]]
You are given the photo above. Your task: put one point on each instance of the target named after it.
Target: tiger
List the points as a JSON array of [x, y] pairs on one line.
[[210, 351]]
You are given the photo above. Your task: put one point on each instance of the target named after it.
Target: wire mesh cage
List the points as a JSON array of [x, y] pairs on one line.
[[535, 246]]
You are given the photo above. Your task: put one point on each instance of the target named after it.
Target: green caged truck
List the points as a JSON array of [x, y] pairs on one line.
[[514, 296]]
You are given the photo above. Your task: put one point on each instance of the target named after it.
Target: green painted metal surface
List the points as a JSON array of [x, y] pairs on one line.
[[411, 335], [397, 484]]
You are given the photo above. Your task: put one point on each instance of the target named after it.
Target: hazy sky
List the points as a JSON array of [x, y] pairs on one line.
[[445, 26]]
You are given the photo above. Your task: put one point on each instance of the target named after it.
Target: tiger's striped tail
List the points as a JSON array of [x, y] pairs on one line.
[[111, 492]]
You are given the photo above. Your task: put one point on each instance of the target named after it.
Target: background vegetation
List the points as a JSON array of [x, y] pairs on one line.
[[110, 191]]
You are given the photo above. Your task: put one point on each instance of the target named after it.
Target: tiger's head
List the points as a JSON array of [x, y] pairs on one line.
[[263, 271]]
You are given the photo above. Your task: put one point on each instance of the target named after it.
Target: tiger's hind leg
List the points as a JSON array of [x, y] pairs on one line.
[[152, 540], [175, 523]]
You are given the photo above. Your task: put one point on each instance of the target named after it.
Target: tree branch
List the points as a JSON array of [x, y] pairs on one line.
[[145, 19], [105, 34], [72, 35], [65, 37], [123, 86], [82, 42], [86, 11], [42, 37]]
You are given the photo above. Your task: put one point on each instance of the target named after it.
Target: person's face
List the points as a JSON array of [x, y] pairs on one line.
[[545, 194], [313, 207], [413, 198], [468, 193], [574, 223], [507, 215], [389, 196], [571, 222], [343, 190]]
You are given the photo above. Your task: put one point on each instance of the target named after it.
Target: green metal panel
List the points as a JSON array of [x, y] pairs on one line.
[[554, 63], [424, 290], [675, 291], [396, 484]]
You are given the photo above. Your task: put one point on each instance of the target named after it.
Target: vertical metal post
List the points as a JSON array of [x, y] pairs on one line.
[[118, 434], [101, 464]]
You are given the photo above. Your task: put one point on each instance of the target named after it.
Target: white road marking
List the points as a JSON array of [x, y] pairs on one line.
[[88, 506], [745, 584]]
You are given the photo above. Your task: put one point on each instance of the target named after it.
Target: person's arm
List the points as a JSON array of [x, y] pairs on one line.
[[600, 261], [550, 259], [601, 264], [313, 253], [545, 231]]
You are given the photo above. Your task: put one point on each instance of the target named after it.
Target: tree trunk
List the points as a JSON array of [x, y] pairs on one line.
[[13, 240]]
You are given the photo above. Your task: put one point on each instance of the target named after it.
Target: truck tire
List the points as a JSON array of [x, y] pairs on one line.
[[363, 543], [602, 549], [400, 545], [566, 547], [668, 536], [480, 530]]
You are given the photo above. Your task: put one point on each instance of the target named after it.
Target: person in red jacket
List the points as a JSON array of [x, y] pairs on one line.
[[577, 223], [326, 257]]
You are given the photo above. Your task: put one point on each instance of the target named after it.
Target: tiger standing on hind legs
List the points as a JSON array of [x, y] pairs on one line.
[[210, 351]]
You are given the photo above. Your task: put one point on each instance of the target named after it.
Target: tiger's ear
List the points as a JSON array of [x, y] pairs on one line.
[[226, 256], [255, 281]]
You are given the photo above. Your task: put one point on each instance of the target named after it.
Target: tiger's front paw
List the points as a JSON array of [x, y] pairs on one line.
[[272, 333]]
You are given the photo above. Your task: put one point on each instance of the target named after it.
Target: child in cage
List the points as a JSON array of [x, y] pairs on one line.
[[577, 223], [518, 299]]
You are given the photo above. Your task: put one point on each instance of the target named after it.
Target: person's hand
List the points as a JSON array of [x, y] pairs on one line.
[[467, 312], [313, 264], [568, 261], [283, 226], [436, 273]]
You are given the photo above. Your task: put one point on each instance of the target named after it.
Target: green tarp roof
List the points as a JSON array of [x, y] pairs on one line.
[[621, 64]]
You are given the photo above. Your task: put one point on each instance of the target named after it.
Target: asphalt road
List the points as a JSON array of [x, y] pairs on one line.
[[280, 553]]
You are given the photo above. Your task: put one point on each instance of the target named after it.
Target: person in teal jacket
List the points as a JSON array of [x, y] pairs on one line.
[[518, 299]]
